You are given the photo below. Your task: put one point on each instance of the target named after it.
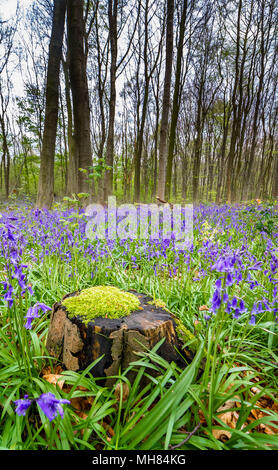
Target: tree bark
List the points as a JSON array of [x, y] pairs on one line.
[[176, 104], [166, 100], [46, 180], [72, 182], [80, 92], [108, 176]]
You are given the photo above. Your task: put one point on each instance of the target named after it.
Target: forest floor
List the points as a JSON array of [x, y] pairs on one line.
[[222, 288]]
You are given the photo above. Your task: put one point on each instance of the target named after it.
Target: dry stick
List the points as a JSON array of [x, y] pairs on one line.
[[187, 437]]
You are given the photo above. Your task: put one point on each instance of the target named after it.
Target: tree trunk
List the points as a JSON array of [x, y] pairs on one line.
[[72, 182], [166, 100], [46, 180], [80, 93], [108, 176], [176, 104]]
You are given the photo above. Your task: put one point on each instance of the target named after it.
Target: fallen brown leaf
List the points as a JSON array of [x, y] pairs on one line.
[[54, 379], [121, 389]]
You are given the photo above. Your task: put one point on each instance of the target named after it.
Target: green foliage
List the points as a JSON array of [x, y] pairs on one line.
[[268, 222], [96, 171], [187, 337], [75, 200], [162, 401]]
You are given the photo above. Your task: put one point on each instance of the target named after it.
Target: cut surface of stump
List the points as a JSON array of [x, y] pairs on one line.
[[77, 343]]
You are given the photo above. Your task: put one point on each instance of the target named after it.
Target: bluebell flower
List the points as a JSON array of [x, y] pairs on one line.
[[236, 313], [218, 284], [234, 302], [216, 300], [256, 267], [10, 236], [224, 265], [242, 307], [5, 285], [51, 405], [8, 296], [22, 405], [229, 280], [33, 312]]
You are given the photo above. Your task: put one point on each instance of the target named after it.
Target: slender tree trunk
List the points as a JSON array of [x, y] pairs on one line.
[[176, 103], [46, 180], [72, 181], [80, 92], [166, 100], [6, 157], [108, 176], [140, 136], [198, 143]]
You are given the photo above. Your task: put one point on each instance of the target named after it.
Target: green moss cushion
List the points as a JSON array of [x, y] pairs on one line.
[[101, 301]]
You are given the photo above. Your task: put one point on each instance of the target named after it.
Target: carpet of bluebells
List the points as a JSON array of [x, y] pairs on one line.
[[223, 288]]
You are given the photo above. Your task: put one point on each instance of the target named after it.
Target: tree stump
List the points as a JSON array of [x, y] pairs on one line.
[[77, 345]]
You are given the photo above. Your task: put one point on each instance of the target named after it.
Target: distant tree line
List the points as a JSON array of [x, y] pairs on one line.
[[140, 98]]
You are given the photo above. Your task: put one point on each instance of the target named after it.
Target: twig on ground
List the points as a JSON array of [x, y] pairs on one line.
[[187, 437]]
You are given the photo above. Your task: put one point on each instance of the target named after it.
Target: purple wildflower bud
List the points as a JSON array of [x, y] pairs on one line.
[[33, 312], [229, 307], [218, 284], [254, 309], [51, 405], [229, 280], [207, 317], [42, 306], [234, 302], [252, 320], [267, 308], [242, 308], [21, 282], [22, 405], [236, 313], [256, 266], [8, 296], [10, 236], [216, 300]]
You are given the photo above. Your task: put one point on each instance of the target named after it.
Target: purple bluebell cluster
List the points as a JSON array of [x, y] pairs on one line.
[[49, 404], [236, 253]]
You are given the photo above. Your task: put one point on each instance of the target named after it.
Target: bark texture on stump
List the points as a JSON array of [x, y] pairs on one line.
[[77, 345]]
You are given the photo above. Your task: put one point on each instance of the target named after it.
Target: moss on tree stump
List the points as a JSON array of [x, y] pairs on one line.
[[79, 339]]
